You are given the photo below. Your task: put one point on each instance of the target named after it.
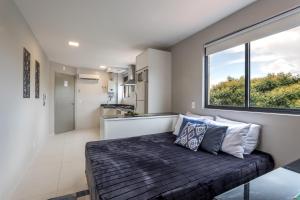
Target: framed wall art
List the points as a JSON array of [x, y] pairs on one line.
[[26, 73], [37, 80]]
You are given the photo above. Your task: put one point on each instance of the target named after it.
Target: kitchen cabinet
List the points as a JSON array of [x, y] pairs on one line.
[[142, 60], [157, 94]]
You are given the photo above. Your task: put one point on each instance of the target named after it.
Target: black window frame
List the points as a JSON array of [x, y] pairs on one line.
[[247, 106]]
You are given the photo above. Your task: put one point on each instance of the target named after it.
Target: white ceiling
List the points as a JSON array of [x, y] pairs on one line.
[[114, 32]]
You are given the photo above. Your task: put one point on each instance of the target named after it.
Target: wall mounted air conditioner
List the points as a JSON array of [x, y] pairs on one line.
[[88, 76]]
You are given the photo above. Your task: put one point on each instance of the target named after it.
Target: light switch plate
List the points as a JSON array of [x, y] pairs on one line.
[[193, 104]]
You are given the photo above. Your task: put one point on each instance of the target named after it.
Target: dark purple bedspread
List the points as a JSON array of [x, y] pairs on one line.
[[152, 167]]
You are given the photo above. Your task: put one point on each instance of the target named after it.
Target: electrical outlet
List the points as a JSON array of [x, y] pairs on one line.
[[193, 104]]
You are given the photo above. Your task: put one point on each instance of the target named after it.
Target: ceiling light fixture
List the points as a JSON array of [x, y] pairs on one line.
[[73, 44], [102, 67]]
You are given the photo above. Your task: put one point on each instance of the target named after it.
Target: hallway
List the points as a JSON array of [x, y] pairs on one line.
[[59, 167]]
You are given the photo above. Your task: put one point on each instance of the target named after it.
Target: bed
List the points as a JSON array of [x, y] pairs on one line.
[[152, 167]]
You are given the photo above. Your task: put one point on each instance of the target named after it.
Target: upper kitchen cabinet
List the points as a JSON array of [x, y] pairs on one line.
[[142, 60], [153, 75]]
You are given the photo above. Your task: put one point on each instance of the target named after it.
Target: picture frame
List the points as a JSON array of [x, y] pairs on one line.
[[26, 73], [37, 79]]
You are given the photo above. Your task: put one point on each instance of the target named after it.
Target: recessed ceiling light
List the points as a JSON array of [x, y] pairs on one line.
[[102, 67], [73, 44]]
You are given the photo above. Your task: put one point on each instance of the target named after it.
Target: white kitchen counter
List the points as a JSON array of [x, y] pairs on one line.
[[136, 117], [113, 127]]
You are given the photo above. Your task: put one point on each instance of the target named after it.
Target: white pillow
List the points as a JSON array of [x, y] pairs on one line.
[[252, 135], [189, 114], [235, 137], [178, 124], [180, 119], [233, 143]]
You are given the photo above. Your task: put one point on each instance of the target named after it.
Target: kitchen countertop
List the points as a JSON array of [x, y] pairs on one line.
[[111, 117], [117, 106]]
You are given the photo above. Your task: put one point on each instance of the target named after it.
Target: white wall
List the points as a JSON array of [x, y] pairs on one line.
[[24, 123], [88, 96], [280, 135]]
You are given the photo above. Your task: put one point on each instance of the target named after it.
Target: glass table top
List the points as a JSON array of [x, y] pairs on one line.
[[281, 184]]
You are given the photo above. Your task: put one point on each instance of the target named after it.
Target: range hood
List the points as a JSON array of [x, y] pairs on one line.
[[131, 76]]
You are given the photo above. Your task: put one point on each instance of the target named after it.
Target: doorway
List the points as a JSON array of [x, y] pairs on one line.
[[64, 103]]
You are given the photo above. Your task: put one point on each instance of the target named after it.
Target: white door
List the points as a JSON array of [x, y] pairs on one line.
[[64, 103]]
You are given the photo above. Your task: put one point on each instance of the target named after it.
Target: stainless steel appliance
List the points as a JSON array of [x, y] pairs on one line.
[[130, 80], [142, 91]]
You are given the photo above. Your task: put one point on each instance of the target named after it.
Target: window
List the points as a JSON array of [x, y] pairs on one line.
[[275, 71], [257, 70], [227, 77]]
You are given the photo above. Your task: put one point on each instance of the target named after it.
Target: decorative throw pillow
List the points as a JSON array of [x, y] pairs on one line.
[[234, 139], [180, 120], [252, 136], [191, 134], [213, 138]]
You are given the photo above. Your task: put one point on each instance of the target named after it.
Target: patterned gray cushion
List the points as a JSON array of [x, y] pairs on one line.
[[191, 135]]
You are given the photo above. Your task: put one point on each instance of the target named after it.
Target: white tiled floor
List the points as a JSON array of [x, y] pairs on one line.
[[58, 168]]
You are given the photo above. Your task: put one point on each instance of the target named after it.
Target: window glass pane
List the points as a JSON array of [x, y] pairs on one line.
[[275, 71], [227, 77]]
